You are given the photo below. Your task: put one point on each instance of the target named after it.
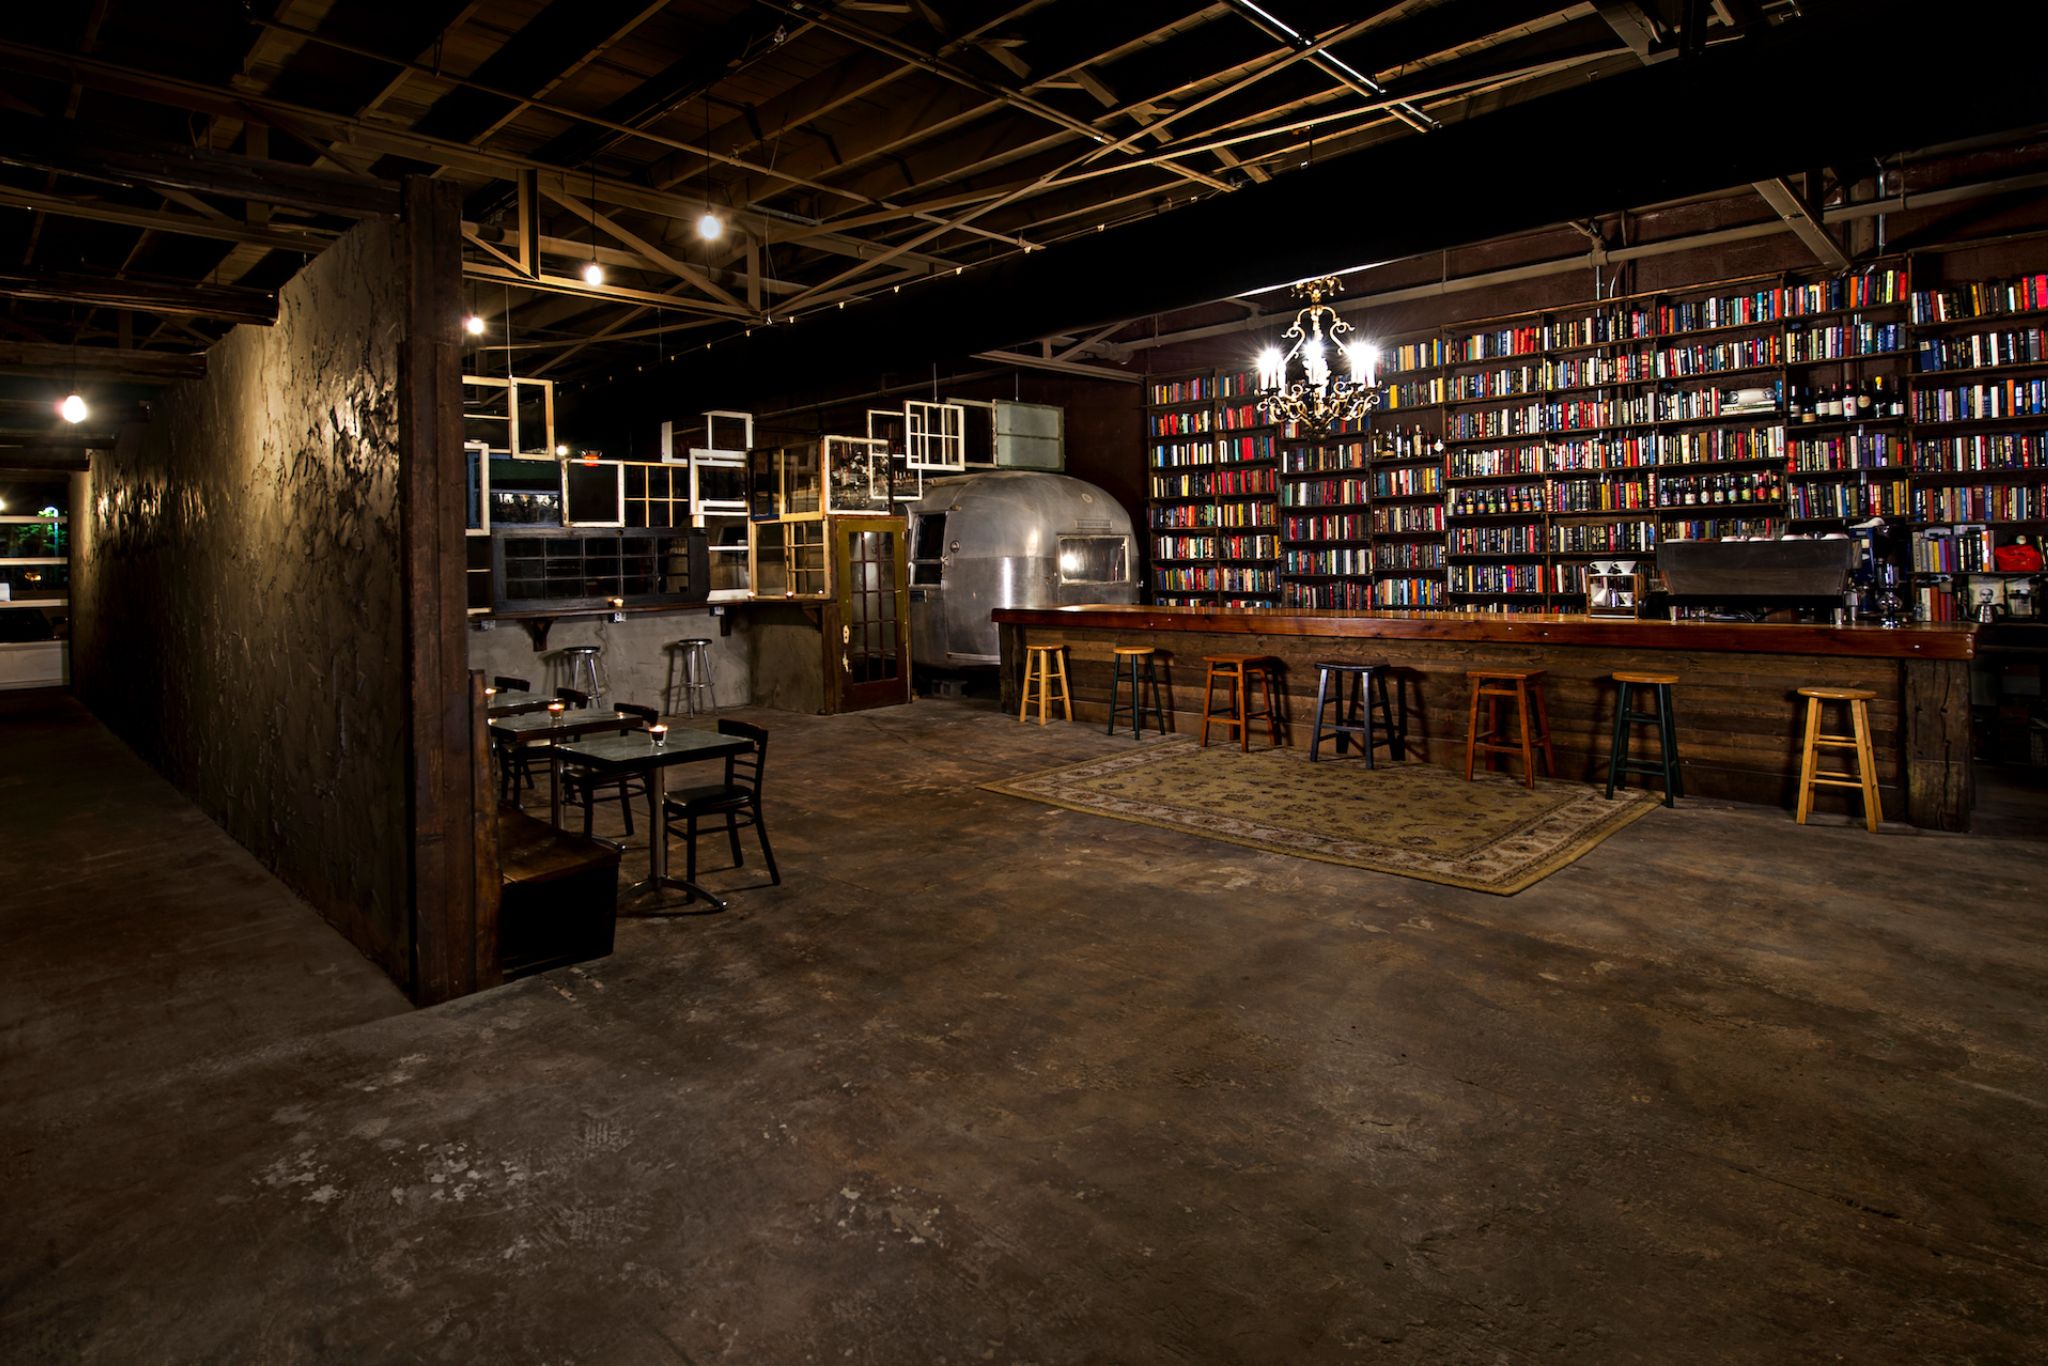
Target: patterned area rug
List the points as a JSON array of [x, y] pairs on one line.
[[1414, 820]]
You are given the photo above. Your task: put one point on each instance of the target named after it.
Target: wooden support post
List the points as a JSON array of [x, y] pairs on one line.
[[1009, 653], [484, 828], [1934, 712], [440, 756]]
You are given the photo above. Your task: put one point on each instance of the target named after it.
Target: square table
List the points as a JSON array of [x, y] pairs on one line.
[[538, 727], [614, 756], [515, 703]]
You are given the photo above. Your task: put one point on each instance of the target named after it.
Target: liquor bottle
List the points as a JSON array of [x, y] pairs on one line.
[[1830, 404]]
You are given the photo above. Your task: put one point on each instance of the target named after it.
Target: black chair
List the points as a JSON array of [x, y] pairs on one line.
[[738, 799], [518, 767], [511, 763], [580, 785], [572, 697]]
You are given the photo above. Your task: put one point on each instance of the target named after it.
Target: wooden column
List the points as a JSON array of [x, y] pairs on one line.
[[1934, 711], [440, 763]]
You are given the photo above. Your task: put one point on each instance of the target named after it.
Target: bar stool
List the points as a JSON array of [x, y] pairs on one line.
[[1045, 665], [1240, 672], [1667, 765], [1865, 776], [1523, 687], [583, 669], [689, 677], [1355, 700], [1149, 657]]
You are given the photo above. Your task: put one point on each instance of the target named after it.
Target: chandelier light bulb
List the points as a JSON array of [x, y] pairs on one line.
[[710, 226], [73, 409], [593, 274], [474, 325]]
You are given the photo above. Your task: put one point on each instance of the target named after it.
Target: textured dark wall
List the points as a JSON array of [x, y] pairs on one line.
[[237, 594]]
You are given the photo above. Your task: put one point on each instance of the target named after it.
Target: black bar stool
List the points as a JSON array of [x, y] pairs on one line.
[[1149, 657], [1355, 699], [1666, 765]]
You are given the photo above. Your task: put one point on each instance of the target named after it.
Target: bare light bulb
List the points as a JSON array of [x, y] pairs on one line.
[[593, 274], [474, 325], [73, 409], [710, 226], [562, 449]]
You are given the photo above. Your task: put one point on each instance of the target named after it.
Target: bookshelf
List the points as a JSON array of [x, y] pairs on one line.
[[1511, 452]]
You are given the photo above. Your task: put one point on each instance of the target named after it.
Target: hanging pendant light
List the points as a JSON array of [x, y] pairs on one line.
[[1339, 379], [593, 274]]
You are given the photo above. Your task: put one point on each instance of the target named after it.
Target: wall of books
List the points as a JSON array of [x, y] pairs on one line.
[[1510, 453]]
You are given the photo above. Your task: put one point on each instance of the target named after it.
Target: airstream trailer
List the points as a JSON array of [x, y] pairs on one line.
[[1009, 538]]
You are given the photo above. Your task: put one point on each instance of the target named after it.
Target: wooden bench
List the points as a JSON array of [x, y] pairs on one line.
[[558, 895]]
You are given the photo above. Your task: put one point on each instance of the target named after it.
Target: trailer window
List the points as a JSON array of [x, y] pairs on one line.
[[927, 548], [1094, 559]]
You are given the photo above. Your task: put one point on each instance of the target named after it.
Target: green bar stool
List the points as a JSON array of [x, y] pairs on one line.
[[1619, 760], [1149, 658]]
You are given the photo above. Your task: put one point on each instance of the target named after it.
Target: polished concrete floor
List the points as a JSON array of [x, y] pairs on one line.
[[989, 1081]]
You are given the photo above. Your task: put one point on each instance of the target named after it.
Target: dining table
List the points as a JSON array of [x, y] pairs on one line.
[[544, 728], [511, 703], [615, 756]]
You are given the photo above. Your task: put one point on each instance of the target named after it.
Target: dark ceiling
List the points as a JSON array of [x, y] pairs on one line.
[[164, 168]]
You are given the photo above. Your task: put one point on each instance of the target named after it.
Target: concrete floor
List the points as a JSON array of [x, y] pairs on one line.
[[989, 1081]]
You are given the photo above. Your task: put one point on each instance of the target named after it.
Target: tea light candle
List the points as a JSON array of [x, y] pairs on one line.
[[556, 708], [659, 733], [490, 692]]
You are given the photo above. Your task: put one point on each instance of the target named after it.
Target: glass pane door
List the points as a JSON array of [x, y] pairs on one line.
[[873, 613]]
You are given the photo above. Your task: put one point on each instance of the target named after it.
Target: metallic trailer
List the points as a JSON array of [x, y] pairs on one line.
[[1009, 538]]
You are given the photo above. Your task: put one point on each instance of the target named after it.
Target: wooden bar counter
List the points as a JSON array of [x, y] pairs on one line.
[[1738, 721]]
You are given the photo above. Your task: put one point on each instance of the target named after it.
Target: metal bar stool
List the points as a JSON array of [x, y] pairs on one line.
[[689, 677], [1149, 657], [1667, 765], [1045, 665], [1523, 687], [1858, 741], [1239, 672], [583, 670], [1355, 699]]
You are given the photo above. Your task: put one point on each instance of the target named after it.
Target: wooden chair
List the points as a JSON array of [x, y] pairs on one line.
[[738, 799], [1045, 665], [513, 768], [580, 785], [1625, 716], [1523, 687], [1239, 673], [1864, 779]]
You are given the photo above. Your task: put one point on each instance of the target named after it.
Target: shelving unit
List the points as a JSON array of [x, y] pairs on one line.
[[1510, 452]]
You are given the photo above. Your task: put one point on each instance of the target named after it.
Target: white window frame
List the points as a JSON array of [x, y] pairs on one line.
[[934, 436]]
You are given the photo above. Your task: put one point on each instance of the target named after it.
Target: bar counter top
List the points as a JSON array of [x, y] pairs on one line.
[[1934, 640]]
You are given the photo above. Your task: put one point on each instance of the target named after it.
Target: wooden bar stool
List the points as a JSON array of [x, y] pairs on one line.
[[1136, 655], [1865, 776], [1523, 687], [1618, 760], [1239, 672], [1355, 699], [1046, 665]]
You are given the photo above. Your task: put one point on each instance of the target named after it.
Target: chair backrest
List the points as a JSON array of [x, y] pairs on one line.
[[507, 683], [572, 697], [647, 714], [744, 770]]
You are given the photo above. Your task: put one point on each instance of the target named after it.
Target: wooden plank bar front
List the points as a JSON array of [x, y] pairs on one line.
[[1738, 719]]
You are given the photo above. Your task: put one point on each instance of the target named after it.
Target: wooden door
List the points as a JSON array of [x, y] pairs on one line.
[[873, 598]]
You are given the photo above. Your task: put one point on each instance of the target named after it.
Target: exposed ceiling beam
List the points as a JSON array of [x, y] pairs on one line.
[[1024, 360], [121, 159], [1805, 224], [309, 242], [100, 362], [166, 299]]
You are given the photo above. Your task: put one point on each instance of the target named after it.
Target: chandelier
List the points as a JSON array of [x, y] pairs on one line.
[[1323, 395]]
